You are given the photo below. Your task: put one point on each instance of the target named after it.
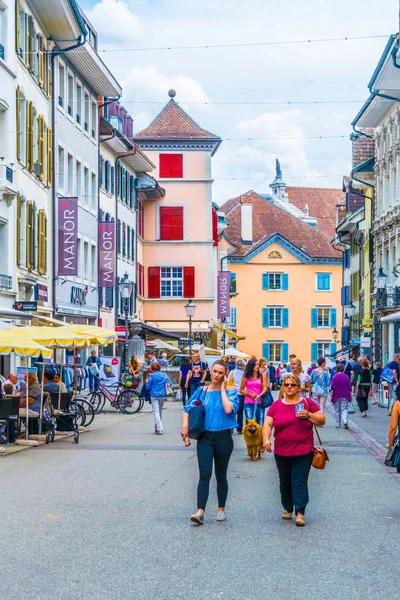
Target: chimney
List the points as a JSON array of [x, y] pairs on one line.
[[247, 221]]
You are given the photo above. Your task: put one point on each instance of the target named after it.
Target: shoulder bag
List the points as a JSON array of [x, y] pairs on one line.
[[267, 399], [320, 457], [361, 394], [197, 417], [392, 458], [387, 375]]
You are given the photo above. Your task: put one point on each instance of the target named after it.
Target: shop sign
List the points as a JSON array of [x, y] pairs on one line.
[[107, 254], [224, 294], [67, 236], [78, 295], [365, 342], [41, 293], [25, 306]]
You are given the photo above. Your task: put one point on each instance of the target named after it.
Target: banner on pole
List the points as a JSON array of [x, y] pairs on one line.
[[224, 295], [107, 254], [67, 236]]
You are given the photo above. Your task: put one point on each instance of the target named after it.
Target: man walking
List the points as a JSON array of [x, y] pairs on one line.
[[197, 374]]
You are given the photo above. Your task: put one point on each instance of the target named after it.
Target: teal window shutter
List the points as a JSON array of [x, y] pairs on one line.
[[314, 352], [285, 352], [233, 316], [265, 317], [285, 317], [314, 317], [332, 317], [323, 282], [285, 281], [265, 281], [266, 351], [332, 348]]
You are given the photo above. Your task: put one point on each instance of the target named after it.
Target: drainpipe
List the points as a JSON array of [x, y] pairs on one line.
[[54, 54], [117, 159], [136, 189]]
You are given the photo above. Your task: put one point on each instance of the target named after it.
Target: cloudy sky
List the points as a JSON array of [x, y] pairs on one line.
[[236, 81]]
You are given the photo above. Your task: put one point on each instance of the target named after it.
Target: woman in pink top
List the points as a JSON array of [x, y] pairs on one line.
[[293, 418], [254, 385]]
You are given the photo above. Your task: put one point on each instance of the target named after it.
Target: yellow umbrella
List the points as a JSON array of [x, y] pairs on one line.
[[21, 347], [54, 337], [98, 336]]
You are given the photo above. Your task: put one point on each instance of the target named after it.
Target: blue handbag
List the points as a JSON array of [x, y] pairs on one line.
[[197, 415], [267, 399]]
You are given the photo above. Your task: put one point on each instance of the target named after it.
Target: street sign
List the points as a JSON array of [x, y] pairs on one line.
[[25, 306]]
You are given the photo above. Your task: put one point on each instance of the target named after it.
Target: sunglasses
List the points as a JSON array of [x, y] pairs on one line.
[[290, 385]]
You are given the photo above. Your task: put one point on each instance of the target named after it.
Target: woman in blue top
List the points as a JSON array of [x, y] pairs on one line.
[[157, 386], [215, 445]]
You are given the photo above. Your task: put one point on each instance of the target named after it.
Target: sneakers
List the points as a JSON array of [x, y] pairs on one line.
[[221, 517], [346, 426], [198, 519]]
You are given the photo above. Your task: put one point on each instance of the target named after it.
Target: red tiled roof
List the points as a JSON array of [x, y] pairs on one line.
[[363, 147], [174, 123], [268, 219], [321, 203]]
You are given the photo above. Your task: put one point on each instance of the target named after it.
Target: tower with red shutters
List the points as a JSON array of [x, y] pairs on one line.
[[177, 234]]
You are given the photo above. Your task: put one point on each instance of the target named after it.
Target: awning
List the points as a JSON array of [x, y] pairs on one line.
[[230, 334], [389, 318], [14, 314], [40, 319], [343, 350], [180, 326]]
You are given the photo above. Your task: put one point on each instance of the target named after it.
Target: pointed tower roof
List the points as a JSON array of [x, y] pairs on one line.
[[173, 123]]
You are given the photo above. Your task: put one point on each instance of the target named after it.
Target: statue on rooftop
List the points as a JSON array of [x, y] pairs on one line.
[[278, 169]]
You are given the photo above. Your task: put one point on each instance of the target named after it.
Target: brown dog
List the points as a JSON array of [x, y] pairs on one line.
[[252, 433]]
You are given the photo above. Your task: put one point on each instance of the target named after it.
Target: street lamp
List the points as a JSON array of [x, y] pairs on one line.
[[224, 326], [346, 320], [126, 288], [381, 279], [335, 334], [190, 309]]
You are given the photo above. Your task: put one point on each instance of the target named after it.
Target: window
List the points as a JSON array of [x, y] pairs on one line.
[[128, 242], [86, 185], [94, 191], [275, 281], [140, 219], [79, 257], [119, 236], [21, 127], [323, 282], [233, 283], [171, 165], [22, 35], [86, 265], [112, 180], [123, 239], [61, 85], [140, 279], [86, 112], [79, 180], [94, 264], [274, 254], [61, 168], [106, 178], [322, 349], [20, 231], [233, 316], [345, 295], [171, 282], [323, 317], [70, 95], [275, 316], [94, 119], [70, 186], [78, 103], [3, 32], [171, 223], [3, 244], [275, 351]]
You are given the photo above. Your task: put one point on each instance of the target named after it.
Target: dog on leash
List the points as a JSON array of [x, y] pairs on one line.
[[252, 434]]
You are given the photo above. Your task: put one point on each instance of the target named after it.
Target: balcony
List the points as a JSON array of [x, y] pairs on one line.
[[5, 282], [385, 299]]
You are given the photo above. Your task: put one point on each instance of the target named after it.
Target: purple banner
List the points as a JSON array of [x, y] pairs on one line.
[[224, 295], [107, 254], [67, 236]]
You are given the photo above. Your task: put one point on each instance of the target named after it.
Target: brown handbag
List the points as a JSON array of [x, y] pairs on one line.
[[320, 457]]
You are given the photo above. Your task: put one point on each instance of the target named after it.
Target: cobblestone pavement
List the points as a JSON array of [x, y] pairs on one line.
[[109, 519]]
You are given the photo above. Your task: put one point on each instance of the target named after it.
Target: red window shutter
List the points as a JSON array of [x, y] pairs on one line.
[[171, 165], [188, 282], [154, 282], [177, 222], [215, 226], [166, 223]]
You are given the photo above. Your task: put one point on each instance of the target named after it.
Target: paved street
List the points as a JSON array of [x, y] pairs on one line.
[[109, 519]]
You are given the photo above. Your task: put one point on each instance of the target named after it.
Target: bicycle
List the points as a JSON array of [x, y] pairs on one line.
[[126, 400]]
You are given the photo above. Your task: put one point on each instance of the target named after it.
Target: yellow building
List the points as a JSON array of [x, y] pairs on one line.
[[287, 280]]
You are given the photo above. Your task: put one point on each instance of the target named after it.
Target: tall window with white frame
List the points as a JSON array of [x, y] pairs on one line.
[[94, 192], [86, 187], [172, 282], [70, 185], [323, 349], [275, 317], [3, 32], [61, 168], [275, 352], [70, 108], [86, 110], [61, 85], [323, 317], [79, 99], [79, 181], [3, 249]]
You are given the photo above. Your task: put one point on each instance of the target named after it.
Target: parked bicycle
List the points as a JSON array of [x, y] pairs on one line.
[[128, 401]]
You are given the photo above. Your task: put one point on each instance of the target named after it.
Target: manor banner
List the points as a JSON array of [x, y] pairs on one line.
[[107, 254], [224, 294], [67, 236]]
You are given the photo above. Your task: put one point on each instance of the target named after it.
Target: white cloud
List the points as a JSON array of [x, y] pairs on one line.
[[115, 22]]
